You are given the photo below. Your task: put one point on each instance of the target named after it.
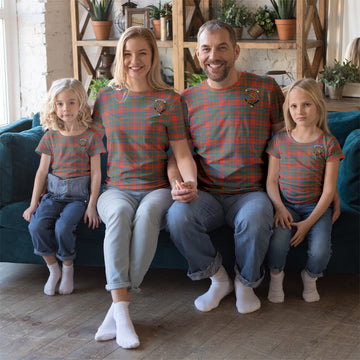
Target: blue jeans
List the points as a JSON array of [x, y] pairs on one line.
[[249, 214], [133, 221], [59, 216], [319, 240]]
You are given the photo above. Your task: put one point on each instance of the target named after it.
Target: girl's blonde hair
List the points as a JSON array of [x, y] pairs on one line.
[[48, 117], [311, 87], [153, 77], [352, 52]]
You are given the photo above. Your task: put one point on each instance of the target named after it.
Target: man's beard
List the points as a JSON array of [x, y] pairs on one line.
[[217, 77]]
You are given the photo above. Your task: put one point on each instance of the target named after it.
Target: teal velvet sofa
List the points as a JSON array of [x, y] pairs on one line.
[[19, 162]]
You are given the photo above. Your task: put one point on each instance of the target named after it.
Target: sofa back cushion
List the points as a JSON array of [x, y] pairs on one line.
[[342, 123], [349, 172], [18, 164]]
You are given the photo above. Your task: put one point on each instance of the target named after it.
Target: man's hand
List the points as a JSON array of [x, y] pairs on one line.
[[184, 192]]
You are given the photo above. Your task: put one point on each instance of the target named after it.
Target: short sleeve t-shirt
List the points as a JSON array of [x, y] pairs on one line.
[[302, 165], [138, 127], [230, 129], [70, 155]]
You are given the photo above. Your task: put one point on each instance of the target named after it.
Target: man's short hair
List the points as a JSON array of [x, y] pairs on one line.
[[216, 25]]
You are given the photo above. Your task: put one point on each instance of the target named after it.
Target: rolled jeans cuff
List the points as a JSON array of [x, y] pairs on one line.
[[245, 282], [209, 271]]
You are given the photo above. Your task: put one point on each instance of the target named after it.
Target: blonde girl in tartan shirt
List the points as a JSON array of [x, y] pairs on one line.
[[72, 150], [303, 169], [141, 118]]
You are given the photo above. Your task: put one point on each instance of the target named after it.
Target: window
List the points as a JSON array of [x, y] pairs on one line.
[[9, 79]]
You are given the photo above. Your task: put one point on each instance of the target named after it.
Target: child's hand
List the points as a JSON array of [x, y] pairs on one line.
[[184, 192], [283, 217], [302, 229], [93, 217], [28, 212]]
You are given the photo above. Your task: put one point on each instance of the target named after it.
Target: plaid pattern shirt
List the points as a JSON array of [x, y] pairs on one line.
[[230, 129], [302, 165], [70, 155], [138, 130]]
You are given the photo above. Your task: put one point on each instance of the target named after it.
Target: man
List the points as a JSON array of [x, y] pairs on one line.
[[231, 117]]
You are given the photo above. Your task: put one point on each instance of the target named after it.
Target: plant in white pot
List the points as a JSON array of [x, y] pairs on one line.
[[99, 11], [337, 75]]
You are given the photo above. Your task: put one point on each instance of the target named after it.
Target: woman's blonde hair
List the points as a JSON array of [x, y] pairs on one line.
[[311, 87], [49, 118], [153, 77]]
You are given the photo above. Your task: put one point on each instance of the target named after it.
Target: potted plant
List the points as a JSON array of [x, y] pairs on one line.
[[156, 12], [193, 79], [338, 75], [285, 18], [234, 15], [96, 85], [264, 22], [99, 11]]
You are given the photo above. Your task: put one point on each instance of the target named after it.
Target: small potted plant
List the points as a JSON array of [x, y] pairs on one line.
[[338, 75], [96, 85], [156, 12], [99, 11], [264, 22], [234, 15], [285, 18]]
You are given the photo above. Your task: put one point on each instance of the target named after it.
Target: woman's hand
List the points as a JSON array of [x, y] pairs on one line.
[[184, 192]]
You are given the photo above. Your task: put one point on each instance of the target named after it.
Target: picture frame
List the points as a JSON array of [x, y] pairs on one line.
[[137, 17]]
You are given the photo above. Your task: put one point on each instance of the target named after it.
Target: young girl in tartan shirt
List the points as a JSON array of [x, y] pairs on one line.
[[141, 118], [73, 151], [303, 169]]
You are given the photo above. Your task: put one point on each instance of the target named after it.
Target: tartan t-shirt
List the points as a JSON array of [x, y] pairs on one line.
[[302, 165], [230, 129], [70, 155], [138, 128]]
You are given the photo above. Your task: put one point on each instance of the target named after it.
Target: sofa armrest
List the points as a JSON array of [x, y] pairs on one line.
[[18, 164]]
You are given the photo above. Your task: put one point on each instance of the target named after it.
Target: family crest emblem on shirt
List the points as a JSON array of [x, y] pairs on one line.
[[319, 151], [82, 142], [160, 106], [252, 96]]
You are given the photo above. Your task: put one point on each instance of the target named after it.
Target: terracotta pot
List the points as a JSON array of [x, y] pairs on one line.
[[335, 93], [255, 31], [238, 32], [156, 27], [286, 28], [102, 29]]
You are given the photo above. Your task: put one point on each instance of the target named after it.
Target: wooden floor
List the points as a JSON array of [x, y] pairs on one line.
[[36, 326]]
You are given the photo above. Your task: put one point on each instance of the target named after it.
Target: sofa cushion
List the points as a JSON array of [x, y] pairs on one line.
[[349, 172], [18, 164], [342, 123], [36, 120], [11, 216]]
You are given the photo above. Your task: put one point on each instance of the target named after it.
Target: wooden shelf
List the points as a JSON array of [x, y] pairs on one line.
[[345, 104], [188, 16]]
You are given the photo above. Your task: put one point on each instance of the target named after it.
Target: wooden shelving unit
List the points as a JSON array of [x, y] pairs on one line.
[[188, 15]]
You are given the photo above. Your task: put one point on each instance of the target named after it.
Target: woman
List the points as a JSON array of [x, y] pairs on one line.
[[141, 118]]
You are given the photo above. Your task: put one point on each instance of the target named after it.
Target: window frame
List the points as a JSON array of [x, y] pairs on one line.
[[8, 14]]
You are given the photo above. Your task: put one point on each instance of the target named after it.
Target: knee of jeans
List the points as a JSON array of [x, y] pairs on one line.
[[35, 225], [176, 217]]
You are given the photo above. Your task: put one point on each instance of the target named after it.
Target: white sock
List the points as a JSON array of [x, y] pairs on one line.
[[310, 293], [54, 277], [276, 292], [125, 333], [221, 285], [246, 300], [107, 330], [67, 280]]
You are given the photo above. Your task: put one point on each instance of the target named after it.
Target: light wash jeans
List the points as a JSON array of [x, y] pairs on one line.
[[59, 216], [133, 220], [249, 214], [319, 240]]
